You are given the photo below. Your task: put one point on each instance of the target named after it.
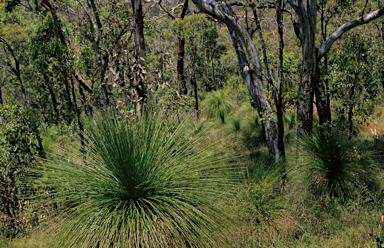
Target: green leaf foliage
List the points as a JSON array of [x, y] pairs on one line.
[[18, 149]]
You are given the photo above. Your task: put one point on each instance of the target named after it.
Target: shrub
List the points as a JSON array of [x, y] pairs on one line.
[[329, 163], [18, 148], [144, 182]]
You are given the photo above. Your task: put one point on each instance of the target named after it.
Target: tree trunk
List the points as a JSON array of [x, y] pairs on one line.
[[252, 73], [321, 100], [22, 86], [180, 59], [306, 92], [1, 97], [350, 109], [180, 67], [15, 69], [138, 32], [279, 98], [307, 20], [53, 98], [193, 81]]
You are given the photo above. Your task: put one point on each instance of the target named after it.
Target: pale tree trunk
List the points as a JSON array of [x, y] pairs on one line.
[[251, 72]]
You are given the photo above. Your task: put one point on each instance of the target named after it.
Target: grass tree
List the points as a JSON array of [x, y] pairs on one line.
[[217, 104], [329, 163], [145, 182]]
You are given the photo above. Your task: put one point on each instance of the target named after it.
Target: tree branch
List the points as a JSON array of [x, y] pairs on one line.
[[83, 83], [326, 46], [184, 10], [295, 23]]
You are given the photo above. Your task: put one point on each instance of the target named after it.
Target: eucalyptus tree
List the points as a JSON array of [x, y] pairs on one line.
[[304, 19], [252, 71]]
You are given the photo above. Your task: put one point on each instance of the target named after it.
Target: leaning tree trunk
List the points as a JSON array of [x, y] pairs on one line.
[[251, 72]]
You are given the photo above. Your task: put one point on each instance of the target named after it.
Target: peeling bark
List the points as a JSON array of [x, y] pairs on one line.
[[251, 72]]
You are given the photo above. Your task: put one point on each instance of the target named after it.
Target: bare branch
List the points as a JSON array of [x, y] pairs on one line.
[[184, 10], [83, 83], [170, 14], [238, 4], [15, 70], [295, 23], [345, 27]]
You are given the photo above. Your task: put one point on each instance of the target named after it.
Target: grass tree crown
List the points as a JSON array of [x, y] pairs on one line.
[[144, 182]]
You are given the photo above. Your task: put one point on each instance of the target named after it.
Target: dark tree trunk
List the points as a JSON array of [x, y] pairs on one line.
[[326, 81], [180, 59], [180, 67], [15, 69], [264, 50], [138, 31], [53, 98], [321, 100], [21, 85], [193, 81], [1, 96], [279, 98], [350, 109]]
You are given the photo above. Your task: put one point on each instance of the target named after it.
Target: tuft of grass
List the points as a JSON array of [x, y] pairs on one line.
[[146, 181], [217, 104], [265, 187], [235, 125], [253, 133], [328, 163]]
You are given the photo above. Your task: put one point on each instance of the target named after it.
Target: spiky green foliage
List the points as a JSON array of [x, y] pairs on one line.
[[144, 182], [253, 133], [328, 163], [235, 125], [217, 104], [264, 185]]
